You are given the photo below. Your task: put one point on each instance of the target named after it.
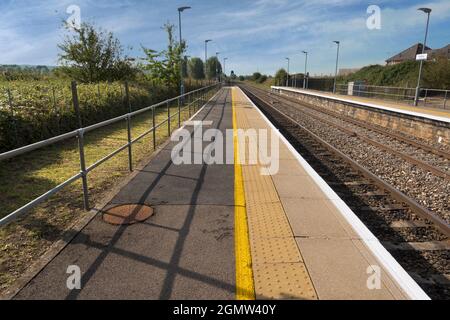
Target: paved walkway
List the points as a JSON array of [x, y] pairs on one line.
[[185, 251]]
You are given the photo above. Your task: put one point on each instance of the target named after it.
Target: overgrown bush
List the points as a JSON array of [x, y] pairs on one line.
[[41, 109]]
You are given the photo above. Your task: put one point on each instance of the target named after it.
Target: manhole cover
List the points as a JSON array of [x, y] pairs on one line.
[[127, 214]]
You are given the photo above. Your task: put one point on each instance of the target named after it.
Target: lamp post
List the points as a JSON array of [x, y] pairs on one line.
[[306, 69], [416, 98], [217, 66], [224, 66], [287, 78], [337, 63], [180, 10], [206, 54]]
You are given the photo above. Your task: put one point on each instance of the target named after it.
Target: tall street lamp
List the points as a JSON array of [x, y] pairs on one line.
[[287, 78], [416, 99], [217, 66], [180, 10], [206, 54], [224, 66], [337, 63], [306, 69]]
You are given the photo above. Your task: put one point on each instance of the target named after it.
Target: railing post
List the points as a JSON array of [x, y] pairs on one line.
[[83, 169], [445, 99], [168, 118], [154, 128], [425, 99], [189, 108], [130, 150]]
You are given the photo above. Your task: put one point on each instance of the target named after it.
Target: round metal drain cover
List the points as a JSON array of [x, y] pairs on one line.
[[127, 214]]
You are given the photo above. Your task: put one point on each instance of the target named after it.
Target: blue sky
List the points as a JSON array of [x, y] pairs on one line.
[[253, 34]]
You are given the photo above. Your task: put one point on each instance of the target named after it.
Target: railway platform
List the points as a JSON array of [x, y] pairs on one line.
[[402, 108], [231, 228]]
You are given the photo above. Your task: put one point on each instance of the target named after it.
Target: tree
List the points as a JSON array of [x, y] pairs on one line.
[[256, 76], [280, 77], [164, 67], [437, 74], [93, 55], [184, 67], [262, 79], [196, 68], [213, 68]]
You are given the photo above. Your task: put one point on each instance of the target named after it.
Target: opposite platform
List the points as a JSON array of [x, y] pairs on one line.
[[423, 112]]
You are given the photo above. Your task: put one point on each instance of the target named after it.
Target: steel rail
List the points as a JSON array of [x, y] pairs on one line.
[[440, 223], [366, 126], [16, 214]]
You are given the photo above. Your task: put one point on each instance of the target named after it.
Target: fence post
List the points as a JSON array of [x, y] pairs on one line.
[[179, 113], [127, 97], [11, 106], [56, 109], [154, 128], [83, 169], [76, 104], [168, 118], [425, 99], [130, 150]]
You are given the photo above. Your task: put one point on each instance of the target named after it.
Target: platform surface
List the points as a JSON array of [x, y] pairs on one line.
[[194, 246], [327, 249], [433, 113], [185, 251]]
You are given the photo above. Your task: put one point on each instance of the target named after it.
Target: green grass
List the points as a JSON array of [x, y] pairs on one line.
[[26, 177]]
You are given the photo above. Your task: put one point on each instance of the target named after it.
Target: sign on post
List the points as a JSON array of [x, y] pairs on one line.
[[422, 56]]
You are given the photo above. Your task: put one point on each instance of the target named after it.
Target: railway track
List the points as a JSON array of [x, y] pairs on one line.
[[417, 237], [438, 150]]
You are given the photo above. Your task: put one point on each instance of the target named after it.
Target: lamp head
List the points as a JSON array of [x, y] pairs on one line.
[[209, 40], [304, 52], [181, 9], [337, 42], [426, 10]]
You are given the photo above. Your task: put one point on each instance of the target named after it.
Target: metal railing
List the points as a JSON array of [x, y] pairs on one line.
[[193, 98], [433, 98]]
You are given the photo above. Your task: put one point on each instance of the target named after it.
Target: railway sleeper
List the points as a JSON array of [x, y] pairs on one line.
[[418, 246]]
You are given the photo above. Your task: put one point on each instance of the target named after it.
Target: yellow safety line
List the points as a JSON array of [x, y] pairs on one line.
[[245, 288]]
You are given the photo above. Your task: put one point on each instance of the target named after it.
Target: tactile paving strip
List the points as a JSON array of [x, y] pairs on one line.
[[283, 281], [278, 268], [264, 223]]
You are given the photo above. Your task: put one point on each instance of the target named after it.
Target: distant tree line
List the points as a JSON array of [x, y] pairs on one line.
[[90, 55], [256, 77]]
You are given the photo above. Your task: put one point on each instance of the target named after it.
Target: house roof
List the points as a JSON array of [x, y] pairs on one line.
[[444, 52], [409, 54]]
